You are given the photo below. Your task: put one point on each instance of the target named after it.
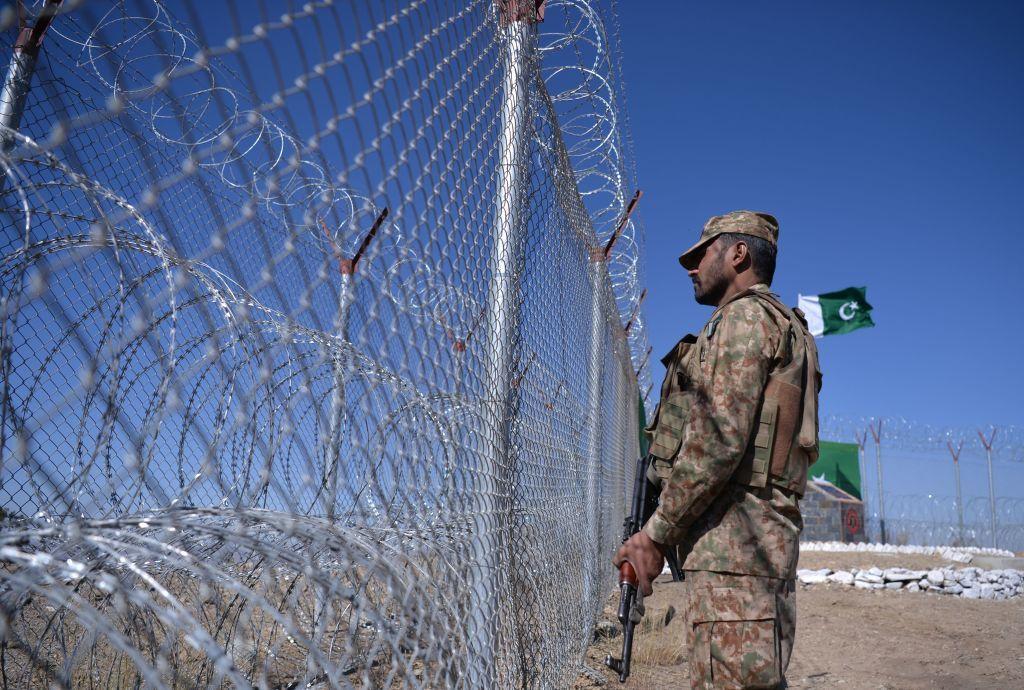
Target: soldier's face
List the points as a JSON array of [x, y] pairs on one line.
[[709, 278]]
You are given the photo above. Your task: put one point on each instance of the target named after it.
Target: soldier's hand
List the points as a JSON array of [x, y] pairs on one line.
[[646, 558]]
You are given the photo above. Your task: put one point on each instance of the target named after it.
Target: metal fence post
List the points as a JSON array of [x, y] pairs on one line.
[[959, 495], [877, 435], [18, 79], [492, 502], [346, 296], [987, 443], [862, 438], [598, 322]]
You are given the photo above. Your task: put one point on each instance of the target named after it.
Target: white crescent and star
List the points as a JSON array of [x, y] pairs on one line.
[[848, 310]]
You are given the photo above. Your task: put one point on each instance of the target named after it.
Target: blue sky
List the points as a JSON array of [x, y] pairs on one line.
[[888, 140]]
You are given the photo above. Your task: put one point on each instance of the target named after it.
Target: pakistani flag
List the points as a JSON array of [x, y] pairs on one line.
[[831, 313]]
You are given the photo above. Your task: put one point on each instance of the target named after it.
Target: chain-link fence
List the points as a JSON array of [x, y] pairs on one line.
[[314, 366], [942, 486]]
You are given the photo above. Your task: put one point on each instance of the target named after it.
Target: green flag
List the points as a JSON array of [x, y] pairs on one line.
[[832, 313]]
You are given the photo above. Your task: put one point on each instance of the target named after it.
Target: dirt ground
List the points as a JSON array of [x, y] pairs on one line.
[[849, 638]]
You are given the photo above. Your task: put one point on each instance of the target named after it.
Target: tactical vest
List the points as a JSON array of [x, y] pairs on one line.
[[785, 439]]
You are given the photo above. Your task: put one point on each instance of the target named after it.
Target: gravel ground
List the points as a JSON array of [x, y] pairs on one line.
[[849, 638]]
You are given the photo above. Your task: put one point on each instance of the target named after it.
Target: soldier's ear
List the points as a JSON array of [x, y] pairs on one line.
[[739, 255]]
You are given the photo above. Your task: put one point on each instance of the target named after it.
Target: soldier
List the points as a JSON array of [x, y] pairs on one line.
[[734, 434]]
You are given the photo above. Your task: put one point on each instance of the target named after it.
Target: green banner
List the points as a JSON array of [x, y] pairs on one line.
[[838, 463]]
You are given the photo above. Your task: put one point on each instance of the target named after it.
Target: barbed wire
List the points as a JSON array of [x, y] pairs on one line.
[[313, 371], [905, 434]]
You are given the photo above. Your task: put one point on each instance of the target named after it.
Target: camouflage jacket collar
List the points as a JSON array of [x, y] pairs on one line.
[[756, 287]]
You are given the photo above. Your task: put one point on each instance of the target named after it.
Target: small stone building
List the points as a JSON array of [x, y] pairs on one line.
[[831, 514]]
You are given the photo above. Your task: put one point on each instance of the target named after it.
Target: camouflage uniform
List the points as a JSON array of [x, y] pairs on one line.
[[732, 446]]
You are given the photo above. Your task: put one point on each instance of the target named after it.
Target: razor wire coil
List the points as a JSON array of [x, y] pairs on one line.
[[259, 263]]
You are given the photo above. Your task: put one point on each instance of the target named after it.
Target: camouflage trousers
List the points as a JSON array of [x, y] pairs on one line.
[[740, 629]]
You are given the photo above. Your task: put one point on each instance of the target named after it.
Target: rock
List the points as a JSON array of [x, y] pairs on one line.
[[958, 556], [923, 583], [860, 584], [813, 577], [877, 572], [953, 589], [595, 677], [913, 587], [936, 577], [894, 585], [864, 576], [987, 591], [842, 577], [605, 629], [902, 575], [972, 593]]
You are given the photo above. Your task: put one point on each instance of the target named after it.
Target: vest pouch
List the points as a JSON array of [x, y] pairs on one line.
[[665, 432], [668, 435], [658, 471], [796, 479], [753, 469]]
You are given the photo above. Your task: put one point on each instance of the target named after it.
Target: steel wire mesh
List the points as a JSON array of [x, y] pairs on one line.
[[313, 375]]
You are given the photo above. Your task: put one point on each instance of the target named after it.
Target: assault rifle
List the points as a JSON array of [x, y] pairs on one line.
[[631, 599]]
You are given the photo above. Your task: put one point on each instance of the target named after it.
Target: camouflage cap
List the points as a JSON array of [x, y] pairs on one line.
[[753, 223]]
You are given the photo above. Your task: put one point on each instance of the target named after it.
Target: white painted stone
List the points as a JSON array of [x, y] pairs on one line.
[[959, 554], [869, 577], [902, 574], [811, 577], [954, 555], [842, 577]]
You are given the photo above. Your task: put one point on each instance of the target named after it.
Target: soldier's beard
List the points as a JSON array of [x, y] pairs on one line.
[[710, 285]]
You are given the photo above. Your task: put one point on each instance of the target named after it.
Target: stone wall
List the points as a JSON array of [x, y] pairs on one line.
[[828, 518], [969, 583]]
